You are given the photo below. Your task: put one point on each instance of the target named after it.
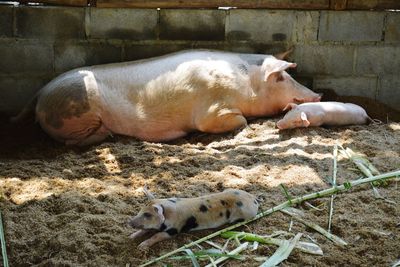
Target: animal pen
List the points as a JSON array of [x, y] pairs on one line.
[[328, 196]]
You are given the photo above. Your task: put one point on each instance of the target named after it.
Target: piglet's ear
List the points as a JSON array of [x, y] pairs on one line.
[[160, 211], [306, 122], [272, 65], [290, 106], [148, 194]]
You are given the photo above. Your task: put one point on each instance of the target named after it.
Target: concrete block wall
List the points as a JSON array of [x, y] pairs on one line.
[[352, 52]]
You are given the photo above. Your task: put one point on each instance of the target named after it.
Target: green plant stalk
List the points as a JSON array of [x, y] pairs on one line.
[[335, 152], [359, 162], [233, 252], [323, 193], [268, 240], [319, 229], [204, 254], [3, 243]]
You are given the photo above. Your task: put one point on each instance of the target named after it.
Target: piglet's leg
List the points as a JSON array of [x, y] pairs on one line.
[[221, 120], [160, 236], [138, 234]]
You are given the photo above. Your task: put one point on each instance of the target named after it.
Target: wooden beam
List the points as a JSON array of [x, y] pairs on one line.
[[338, 4], [57, 2], [373, 4], [274, 4]]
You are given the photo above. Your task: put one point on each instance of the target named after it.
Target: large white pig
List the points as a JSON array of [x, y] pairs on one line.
[[166, 97]]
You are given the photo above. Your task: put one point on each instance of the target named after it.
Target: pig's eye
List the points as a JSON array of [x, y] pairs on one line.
[[147, 215], [279, 78]]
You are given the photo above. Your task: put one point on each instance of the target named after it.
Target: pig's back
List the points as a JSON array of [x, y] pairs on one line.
[[337, 113], [220, 208], [140, 72]]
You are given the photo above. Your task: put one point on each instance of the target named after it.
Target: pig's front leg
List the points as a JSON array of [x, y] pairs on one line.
[[138, 234], [221, 120], [160, 236]]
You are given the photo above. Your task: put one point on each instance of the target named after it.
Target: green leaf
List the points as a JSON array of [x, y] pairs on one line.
[[285, 191], [205, 254], [303, 246], [192, 258], [3, 243], [396, 264], [347, 185], [282, 253]]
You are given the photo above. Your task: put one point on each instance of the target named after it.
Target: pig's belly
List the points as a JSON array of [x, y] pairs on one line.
[[156, 136], [132, 123]]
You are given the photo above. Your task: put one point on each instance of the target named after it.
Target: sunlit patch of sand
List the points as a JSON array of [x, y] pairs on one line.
[[41, 188], [110, 163], [395, 126]]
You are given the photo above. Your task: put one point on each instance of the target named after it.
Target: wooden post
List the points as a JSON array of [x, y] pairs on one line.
[[338, 4]]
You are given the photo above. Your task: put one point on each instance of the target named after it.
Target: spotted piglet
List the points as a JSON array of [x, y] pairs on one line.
[[175, 215]]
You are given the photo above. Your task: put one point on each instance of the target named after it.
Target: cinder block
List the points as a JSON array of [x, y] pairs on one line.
[[16, 91], [389, 91], [348, 86], [307, 26], [6, 21], [351, 26], [73, 55], [141, 51], [50, 22], [192, 24], [260, 25], [324, 59], [378, 60], [133, 24], [370, 60], [256, 48], [244, 47], [307, 81], [392, 32], [22, 56]]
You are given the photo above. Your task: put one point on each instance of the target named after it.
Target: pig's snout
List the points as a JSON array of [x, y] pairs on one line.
[[132, 222], [318, 98], [303, 95], [314, 98], [280, 125]]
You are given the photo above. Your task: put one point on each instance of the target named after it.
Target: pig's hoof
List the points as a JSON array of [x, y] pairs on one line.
[[144, 246], [133, 236]]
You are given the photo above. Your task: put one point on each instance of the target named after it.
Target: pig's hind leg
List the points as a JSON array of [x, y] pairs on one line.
[[221, 120]]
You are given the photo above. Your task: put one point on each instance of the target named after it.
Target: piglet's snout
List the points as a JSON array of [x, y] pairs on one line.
[[279, 125], [132, 222]]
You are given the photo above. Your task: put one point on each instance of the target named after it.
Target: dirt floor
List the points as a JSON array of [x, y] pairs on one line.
[[66, 206]]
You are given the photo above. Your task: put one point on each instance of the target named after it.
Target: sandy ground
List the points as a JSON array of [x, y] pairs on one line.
[[66, 206]]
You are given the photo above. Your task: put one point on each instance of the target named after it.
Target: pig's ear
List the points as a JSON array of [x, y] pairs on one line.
[[284, 55], [272, 65], [148, 194], [160, 211], [306, 122], [304, 100], [290, 106]]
